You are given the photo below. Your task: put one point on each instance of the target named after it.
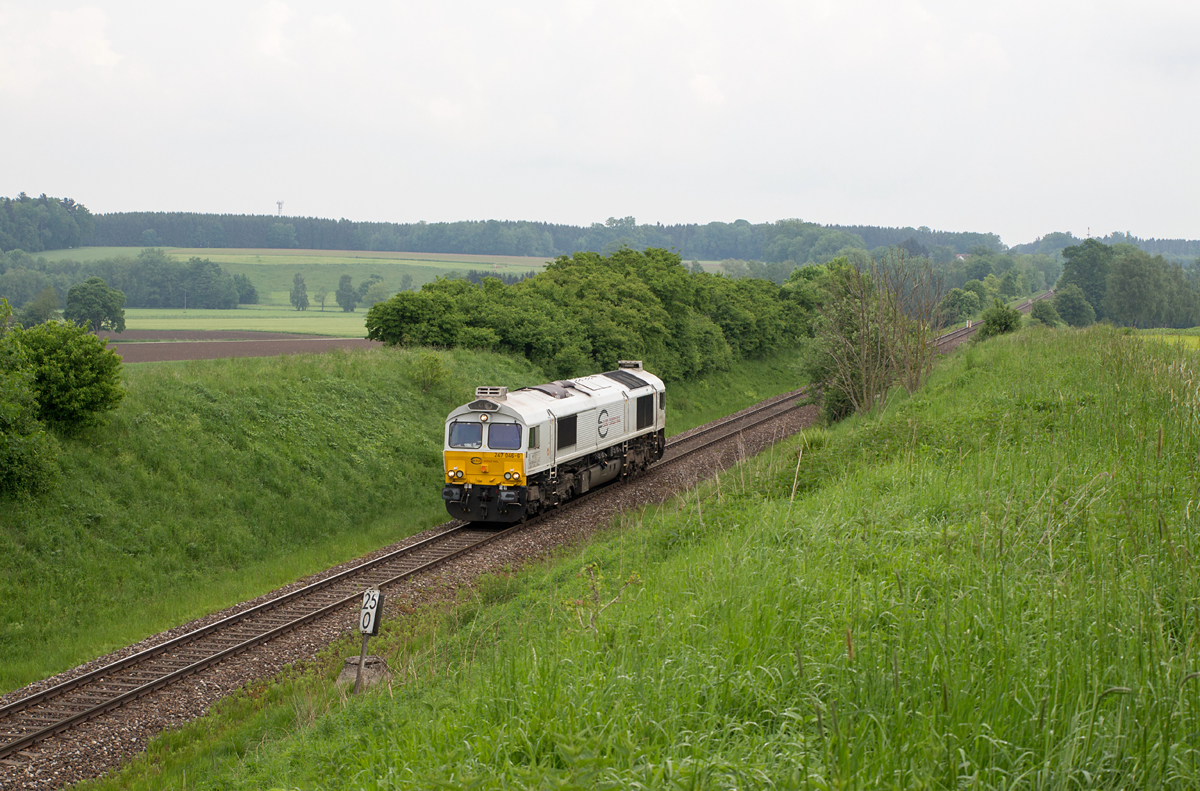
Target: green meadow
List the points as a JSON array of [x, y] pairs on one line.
[[218, 480], [272, 271], [987, 585], [259, 318]]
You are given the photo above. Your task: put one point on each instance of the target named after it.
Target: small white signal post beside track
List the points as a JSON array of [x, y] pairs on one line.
[[368, 623]]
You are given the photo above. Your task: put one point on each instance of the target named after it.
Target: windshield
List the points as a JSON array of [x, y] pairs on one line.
[[504, 436], [466, 435]]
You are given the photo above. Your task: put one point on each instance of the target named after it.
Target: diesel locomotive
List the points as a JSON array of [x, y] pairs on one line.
[[510, 455]]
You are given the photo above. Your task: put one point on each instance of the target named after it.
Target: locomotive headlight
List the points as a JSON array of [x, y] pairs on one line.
[[516, 476], [508, 476], [458, 473], [483, 418]]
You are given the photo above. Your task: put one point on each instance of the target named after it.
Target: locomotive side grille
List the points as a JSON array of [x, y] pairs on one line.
[[491, 392]]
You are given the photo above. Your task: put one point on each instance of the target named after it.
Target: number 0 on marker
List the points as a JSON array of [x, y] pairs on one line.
[[371, 614]]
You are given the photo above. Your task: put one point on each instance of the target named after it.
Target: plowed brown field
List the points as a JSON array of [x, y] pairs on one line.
[[155, 346]]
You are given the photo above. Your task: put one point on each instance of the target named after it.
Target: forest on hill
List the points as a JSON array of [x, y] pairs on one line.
[[38, 224]]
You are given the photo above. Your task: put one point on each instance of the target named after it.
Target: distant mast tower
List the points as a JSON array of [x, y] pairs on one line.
[[279, 203]]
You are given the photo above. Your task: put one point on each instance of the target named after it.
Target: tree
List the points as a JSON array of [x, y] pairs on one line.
[[281, 234], [1135, 293], [365, 286], [406, 282], [998, 320], [959, 304], [150, 238], [44, 307], [1010, 287], [347, 295], [94, 305], [376, 293], [1072, 306], [1043, 311], [247, 293], [322, 295], [980, 291], [75, 378], [1087, 266], [299, 293]]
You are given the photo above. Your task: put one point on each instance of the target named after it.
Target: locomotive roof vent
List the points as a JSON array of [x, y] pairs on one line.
[[633, 365], [491, 392]]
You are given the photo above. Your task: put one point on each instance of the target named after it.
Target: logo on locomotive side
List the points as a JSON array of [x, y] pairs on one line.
[[605, 421]]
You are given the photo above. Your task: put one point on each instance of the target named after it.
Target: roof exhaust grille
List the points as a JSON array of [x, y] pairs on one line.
[[632, 365], [491, 392]]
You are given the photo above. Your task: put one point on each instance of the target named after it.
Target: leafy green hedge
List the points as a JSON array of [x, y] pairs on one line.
[[585, 312]]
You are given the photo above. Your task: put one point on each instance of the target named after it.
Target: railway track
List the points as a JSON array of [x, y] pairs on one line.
[[91, 695], [962, 333], [37, 717]]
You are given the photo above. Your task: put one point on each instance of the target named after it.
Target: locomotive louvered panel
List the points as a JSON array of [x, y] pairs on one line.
[[587, 431]]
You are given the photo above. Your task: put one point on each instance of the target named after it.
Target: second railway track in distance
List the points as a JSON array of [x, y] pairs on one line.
[[94, 694]]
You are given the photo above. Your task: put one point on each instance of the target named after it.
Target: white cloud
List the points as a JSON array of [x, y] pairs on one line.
[[40, 45], [706, 90], [267, 31]]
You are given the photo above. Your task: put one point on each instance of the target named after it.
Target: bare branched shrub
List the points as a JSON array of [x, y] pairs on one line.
[[915, 287], [878, 324]]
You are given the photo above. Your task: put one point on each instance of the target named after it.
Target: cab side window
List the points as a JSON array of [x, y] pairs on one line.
[[534, 439]]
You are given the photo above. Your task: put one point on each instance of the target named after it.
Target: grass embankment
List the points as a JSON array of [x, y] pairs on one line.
[[990, 586], [218, 480]]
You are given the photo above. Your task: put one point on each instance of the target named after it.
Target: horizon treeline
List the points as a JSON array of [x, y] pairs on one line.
[[714, 241], [151, 280], [43, 223], [39, 224]]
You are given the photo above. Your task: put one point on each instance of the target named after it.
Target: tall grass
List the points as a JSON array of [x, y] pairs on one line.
[[991, 585]]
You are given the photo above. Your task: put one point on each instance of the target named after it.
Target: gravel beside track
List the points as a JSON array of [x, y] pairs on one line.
[[95, 747]]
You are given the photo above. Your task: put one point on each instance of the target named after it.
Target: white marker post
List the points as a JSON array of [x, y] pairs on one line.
[[368, 623]]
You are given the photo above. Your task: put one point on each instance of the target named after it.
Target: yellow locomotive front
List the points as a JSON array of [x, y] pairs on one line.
[[484, 465]]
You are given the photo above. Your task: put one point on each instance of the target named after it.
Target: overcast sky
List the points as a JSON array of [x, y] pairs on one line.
[[1014, 117]]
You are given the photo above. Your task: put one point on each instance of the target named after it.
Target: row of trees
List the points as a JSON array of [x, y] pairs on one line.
[[784, 240], [586, 311], [1128, 286], [150, 280], [43, 223], [1178, 250]]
